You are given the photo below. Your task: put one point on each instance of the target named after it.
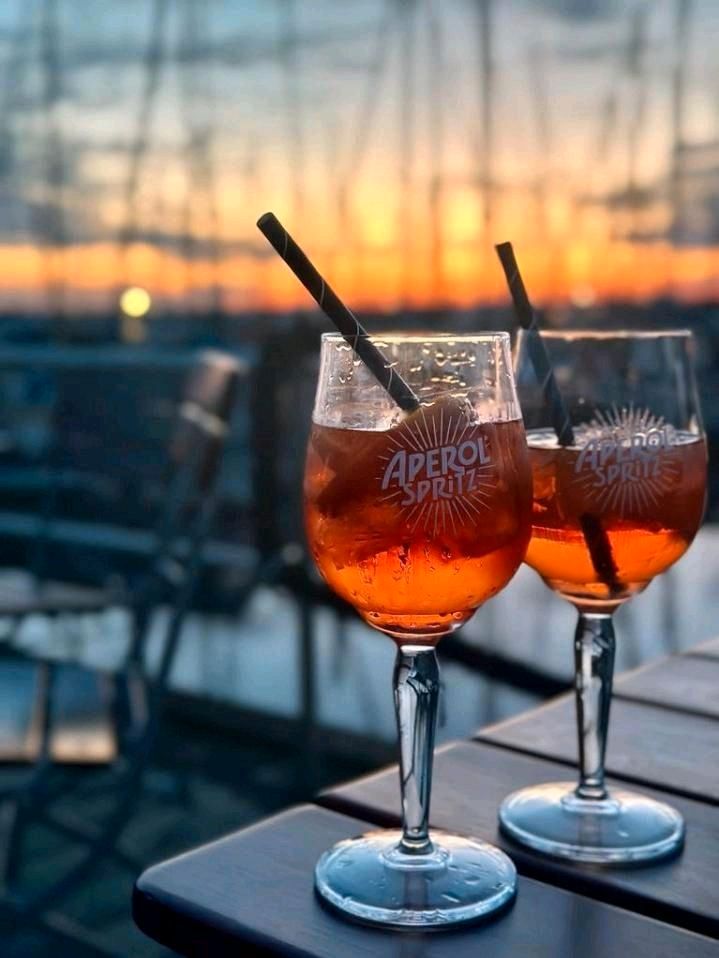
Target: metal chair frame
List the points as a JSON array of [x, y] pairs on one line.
[[194, 457]]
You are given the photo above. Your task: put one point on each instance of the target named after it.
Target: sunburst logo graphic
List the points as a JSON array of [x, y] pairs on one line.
[[439, 468], [626, 462]]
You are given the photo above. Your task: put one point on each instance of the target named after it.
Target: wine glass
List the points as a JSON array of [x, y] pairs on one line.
[[616, 502], [416, 519]]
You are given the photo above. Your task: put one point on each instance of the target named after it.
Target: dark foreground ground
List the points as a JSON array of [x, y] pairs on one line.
[[207, 780]]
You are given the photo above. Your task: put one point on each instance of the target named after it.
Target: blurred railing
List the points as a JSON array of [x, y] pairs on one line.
[[95, 420]]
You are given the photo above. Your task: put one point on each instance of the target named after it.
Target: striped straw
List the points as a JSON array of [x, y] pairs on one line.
[[598, 544], [333, 307], [561, 423]]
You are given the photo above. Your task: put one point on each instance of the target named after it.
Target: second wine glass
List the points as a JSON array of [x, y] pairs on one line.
[[614, 506]]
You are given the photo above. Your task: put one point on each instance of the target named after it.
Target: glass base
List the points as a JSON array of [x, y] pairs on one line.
[[622, 828], [373, 880]]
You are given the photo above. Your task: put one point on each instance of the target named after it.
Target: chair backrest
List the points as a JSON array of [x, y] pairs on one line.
[[283, 395], [111, 423], [84, 435], [195, 451]]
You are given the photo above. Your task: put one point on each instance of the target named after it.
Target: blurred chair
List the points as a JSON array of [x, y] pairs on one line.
[[283, 394], [134, 692]]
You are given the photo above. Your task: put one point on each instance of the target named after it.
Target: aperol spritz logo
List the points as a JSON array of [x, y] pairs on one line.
[[439, 471], [625, 460]]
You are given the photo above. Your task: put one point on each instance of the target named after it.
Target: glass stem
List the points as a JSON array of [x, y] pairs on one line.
[[416, 693], [594, 668]]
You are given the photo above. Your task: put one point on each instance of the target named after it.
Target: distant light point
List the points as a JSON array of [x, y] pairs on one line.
[[583, 296], [135, 302]]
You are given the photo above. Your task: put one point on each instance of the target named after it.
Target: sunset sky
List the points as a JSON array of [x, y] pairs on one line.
[[371, 129]]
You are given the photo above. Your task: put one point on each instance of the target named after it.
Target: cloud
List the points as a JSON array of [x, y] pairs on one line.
[[197, 247], [241, 49], [635, 198], [579, 9]]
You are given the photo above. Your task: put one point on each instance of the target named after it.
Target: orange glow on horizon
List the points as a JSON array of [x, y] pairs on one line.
[[590, 141], [372, 278], [386, 244]]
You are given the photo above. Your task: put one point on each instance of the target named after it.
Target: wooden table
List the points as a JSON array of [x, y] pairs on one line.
[[251, 893]]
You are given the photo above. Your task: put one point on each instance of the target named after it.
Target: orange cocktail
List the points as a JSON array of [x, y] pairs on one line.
[[418, 525], [648, 490]]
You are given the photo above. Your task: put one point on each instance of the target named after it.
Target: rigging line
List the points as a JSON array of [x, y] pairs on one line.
[[435, 99], [288, 49], [152, 66], [53, 225], [197, 96], [486, 66], [14, 85], [371, 99]]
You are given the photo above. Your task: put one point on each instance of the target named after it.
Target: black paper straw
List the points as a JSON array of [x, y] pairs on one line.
[[600, 549], [538, 355], [333, 307]]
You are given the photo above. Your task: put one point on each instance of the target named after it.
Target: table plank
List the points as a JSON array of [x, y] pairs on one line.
[[23, 689], [254, 889], [470, 781], [649, 745], [683, 682], [81, 729]]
